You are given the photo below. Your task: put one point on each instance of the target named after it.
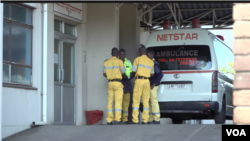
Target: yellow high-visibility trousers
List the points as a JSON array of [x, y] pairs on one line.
[[125, 105], [141, 89], [115, 92], [154, 110]]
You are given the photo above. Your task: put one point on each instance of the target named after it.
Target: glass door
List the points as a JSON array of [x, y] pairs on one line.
[[64, 85]]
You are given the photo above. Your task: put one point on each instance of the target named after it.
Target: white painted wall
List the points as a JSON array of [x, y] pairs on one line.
[[1, 67], [102, 36], [20, 106]]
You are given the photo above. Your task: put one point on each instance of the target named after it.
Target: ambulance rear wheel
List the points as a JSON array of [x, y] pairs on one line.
[[176, 120], [220, 118]]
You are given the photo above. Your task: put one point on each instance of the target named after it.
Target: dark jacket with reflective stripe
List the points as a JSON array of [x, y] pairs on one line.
[[156, 78], [126, 82]]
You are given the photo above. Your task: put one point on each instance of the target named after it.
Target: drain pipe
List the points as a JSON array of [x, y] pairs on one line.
[[44, 43], [43, 96]]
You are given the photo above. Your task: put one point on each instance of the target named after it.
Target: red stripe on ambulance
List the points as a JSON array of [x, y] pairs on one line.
[[202, 71], [177, 36]]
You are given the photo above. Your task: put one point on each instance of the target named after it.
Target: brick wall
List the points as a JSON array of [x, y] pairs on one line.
[[241, 48]]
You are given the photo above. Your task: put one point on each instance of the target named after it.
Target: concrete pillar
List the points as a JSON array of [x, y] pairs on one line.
[[48, 63], [129, 35], [1, 67], [102, 36], [241, 50], [81, 67], [129, 30]]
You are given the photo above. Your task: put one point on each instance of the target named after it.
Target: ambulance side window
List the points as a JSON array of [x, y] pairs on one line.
[[225, 58]]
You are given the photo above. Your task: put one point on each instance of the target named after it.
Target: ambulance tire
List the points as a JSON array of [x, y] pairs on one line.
[[176, 120], [220, 118]]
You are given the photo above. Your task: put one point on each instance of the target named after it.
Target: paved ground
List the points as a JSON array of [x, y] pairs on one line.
[[162, 132]]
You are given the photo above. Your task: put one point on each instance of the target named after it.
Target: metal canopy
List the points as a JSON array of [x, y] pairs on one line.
[[219, 15]]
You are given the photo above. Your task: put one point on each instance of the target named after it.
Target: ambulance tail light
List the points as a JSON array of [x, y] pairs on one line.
[[166, 24], [196, 23], [221, 37], [215, 82]]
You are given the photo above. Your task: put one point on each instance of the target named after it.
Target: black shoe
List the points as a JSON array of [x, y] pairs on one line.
[[156, 122], [144, 123], [134, 123], [150, 122], [109, 123], [117, 122]]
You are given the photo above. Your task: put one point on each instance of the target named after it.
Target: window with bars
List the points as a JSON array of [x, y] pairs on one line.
[[17, 44]]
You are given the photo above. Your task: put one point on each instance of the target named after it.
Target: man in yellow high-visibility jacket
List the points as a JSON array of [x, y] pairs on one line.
[[114, 70], [143, 68]]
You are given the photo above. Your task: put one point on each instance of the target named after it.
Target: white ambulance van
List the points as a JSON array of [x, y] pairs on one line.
[[197, 83]]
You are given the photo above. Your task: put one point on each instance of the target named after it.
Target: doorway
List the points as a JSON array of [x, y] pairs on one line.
[[64, 74]]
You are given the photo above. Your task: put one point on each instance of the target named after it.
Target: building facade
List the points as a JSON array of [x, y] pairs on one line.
[[53, 56]]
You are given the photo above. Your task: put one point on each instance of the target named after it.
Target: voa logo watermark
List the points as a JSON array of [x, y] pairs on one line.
[[236, 132]]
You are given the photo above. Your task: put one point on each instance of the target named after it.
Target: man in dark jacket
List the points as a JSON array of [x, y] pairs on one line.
[[127, 89], [154, 110]]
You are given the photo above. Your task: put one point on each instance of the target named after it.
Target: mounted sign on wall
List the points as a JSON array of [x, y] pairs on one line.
[[73, 10]]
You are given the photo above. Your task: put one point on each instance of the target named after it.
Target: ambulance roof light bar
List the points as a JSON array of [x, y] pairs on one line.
[[220, 37], [166, 24], [196, 23]]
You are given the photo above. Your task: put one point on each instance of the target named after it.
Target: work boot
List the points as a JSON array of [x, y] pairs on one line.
[[144, 123], [117, 122], [150, 122], [156, 122], [109, 123]]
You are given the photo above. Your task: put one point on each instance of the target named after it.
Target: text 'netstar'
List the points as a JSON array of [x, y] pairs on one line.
[[177, 36]]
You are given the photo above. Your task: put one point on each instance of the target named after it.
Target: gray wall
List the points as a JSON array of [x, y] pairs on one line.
[[129, 31], [102, 36]]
